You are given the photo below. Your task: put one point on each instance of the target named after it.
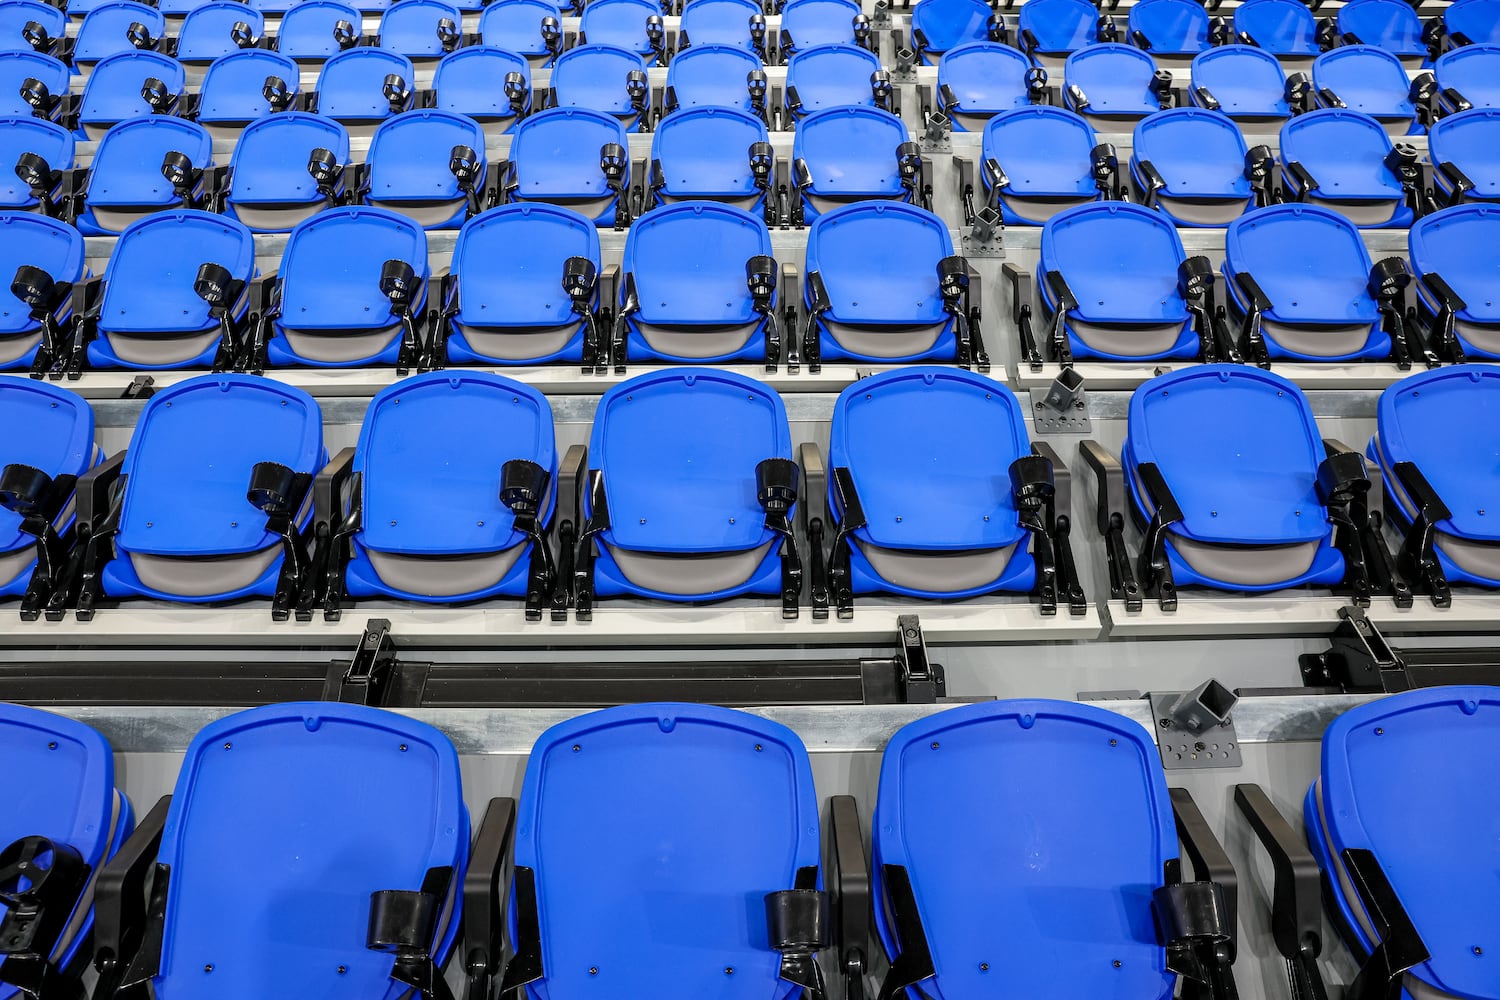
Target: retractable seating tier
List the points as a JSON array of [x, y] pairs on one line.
[[351, 290], [1468, 77], [217, 28], [1345, 161], [1302, 287], [129, 85], [1369, 80], [362, 87], [239, 88], [1245, 83], [1039, 161], [741, 23], [1472, 22], [883, 284], [1034, 844], [806, 24], [691, 489], [115, 27], [698, 284], [286, 168], [712, 154], [1434, 445], [855, 154], [1454, 255], [979, 80], [334, 890], [1193, 165], [940, 25], [716, 76], [40, 154], [1113, 85], [572, 157], [17, 97], [421, 29], [430, 166], [1465, 157], [1173, 31], [52, 447], [1284, 28], [464, 84], [1391, 25], [635, 25], [713, 829], [475, 446], [532, 28], [64, 818], [1049, 31], [523, 289], [1394, 822], [44, 259], [17, 36], [603, 78], [143, 166], [314, 30], [832, 76], [210, 502]]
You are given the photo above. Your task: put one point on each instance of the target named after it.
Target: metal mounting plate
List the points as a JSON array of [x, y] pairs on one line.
[[1218, 746]]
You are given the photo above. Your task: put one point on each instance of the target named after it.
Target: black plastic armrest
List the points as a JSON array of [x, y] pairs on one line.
[[849, 877], [120, 910], [814, 498], [485, 896], [1296, 912], [1422, 492], [1210, 861], [1159, 492], [328, 487], [1062, 478], [94, 487], [1019, 278], [1305, 180]]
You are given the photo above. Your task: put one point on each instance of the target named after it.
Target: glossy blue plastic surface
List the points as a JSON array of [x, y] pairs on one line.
[[1462, 244], [148, 285], [704, 152], [411, 27], [1059, 25], [1120, 261], [409, 157], [689, 263], [1115, 78], [103, 29], [851, 152], [464, 82], [984, 77], [58, 438], [233, 88], [499, 286], [331, 267], [1470, 140], [15, 15], [1476, 20], [708, 75], [1367, 79], [127, 164], [206, 32], [1033, 833], [1344, 151], [1281, 27], [1200, 154], [879, 263], [517, 25], [717, 22], [23, 134], [306, 32], [947, 24], [53, 246], [1473, 71], [1310, 262], [709, 809], [351, 85], [556, 152], [320, 805], [621, 23], [831, 76], [1392, 25], [1171, 26], [594, 77], [113, 91], [1246, 81], [1044, 151], [806, 24], [16, 67], [270, 158]]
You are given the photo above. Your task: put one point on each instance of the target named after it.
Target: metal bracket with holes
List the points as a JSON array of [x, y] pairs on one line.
[[1195, 729]]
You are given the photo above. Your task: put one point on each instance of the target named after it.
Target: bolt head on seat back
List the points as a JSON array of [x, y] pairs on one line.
[[1369, 80], [709, 75], [512, 308], [594, 77], [270, 188], [233, 91], [621, 23], [113, 91], [411, 27], [1060, 27], [17, 67], [516, 25], [1392, 25], [464, 83], [716, 22], [1115, 79], [409, 172], [1239, 449], [1248, 83], [986, 79], [104, 30], [947, 528], [829, 76], [1467, 141], [351, 87], [1031, 834], [1046, 154], [125, 181], [555, 157], [307, 29], [850, 155], [704, 153], [678, 450], [1345, 152], [878, 262], [30, 239], [1284, 28], [1173, 28], [21, 135], [1201, 157], [947, 24], [1121, 263], [207, 31], [1460, 245], [333, 313], [59, 441], [1474, 72]]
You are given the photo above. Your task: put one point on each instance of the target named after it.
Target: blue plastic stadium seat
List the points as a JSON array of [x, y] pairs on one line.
[[1110, 278], [712, 811], [683, 291], [184, 528], [1394, 800], [466, 427], [1454, 255], [465, 84], [1050, 824], [417, 28], [232, 94], [410, 168], [719, 76], [675, 508], [59, 787], [1284, 28], [598, 77], [113, 92], [1465, 157], [941, 25], [722, 22], [1369, 80], [1434, 444], [309, 31], [1392, 25], [352, 88], [806, 24], [506, 305], [1171, 30], [332, 312], [1051, 30], [628, 24], [1043, 159], [17, 67], [1113, 85], [978, 80], [521, 26], [1469, 77], [843, 155], [830, 76], [16, 14], [706, 153], [555, 157], [1339, 159], [151, 316], [952, 528], [1246, 83], [1473, 22], [208, 31], [285, 790], [1312, 276], [32, 240], [872, 288], [1193, 165], [38, 137], [106, 30], [269, 187], [125, 180]]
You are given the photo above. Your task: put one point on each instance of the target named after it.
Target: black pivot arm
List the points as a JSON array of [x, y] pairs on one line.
[[1257, 304], [1021, 313], [1034, 495], [278, 492], [1443, 331], [1155, 566], [1059, 519], [583, 565], [44, 297], [818, 304], [1383, 974], [1417, 559], [1065, 302], [524, 487], [38, 499], [1110, 501], [851, 517], [776, 482]]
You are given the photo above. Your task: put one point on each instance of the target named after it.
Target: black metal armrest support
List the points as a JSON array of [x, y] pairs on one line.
[[815, 523], [337, 487], [818, 304], [1417, 560], [1034, 493], [568, 517], [279, 492], [100, 496], [1109, 513], [1065, 302], [1197, 918], [797, 920], [485, 894], [405, 923], [1401, 946], [1155, 567], [1060, 526], [525, 965], [583, 569], [1252, 339], [849, 885], [851, 518], [1443, 332], [1021, 313], [1296, 916], [913, 963], [1342, 487], [524, 486], [327, 490], [128, 923], [776, 488], [1368, 513], [38, 499]]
